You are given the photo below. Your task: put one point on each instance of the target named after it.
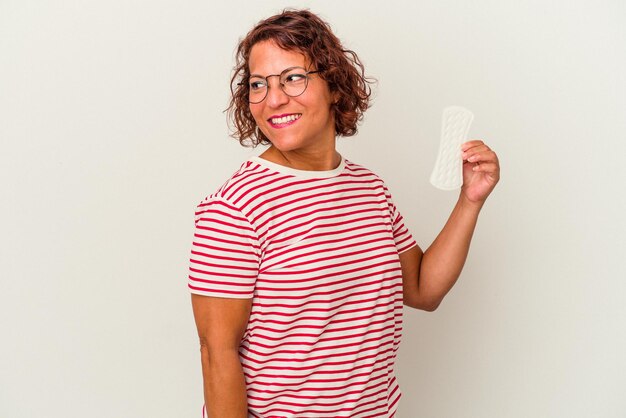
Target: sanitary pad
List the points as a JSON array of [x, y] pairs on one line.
[[448, 171]]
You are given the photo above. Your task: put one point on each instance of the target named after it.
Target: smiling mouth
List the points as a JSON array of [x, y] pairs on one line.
[[283, 121]]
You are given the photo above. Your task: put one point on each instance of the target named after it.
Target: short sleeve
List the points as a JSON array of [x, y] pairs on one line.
[[225, 252], [402, 236]]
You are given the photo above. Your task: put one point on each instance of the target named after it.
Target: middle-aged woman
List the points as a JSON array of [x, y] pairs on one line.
[[301, 262]]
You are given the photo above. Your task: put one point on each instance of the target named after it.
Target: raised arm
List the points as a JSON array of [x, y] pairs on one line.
[[221, 324], [428, 276]]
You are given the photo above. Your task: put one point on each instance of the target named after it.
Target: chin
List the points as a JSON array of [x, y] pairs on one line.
[[286, 144]]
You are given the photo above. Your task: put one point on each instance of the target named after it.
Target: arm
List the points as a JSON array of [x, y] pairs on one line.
[[221, 323], [427, 277]]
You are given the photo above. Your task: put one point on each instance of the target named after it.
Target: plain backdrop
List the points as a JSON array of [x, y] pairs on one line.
[[112, 130]]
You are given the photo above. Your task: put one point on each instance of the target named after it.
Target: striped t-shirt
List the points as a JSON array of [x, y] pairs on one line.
[[317, 251]]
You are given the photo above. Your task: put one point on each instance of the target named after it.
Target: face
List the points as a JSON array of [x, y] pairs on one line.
[[307, 122]]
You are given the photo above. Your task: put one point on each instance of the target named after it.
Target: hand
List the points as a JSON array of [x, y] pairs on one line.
[[481, 171]]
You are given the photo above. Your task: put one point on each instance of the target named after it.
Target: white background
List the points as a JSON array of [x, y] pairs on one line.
[[112, 130]]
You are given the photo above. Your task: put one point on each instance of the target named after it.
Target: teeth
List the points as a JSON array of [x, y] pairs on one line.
[[285, 119]]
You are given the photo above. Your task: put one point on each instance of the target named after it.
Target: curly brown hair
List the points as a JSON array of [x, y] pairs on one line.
[[305, 32]]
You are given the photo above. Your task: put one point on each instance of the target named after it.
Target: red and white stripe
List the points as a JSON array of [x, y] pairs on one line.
[[318, 254]]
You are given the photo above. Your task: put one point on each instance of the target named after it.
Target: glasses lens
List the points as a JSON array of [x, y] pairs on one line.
[[257, 89], [294, 81]]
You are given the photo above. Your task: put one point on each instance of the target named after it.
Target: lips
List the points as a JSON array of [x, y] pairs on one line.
[[286, 119]]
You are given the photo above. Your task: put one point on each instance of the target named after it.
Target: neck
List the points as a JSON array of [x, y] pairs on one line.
[[318, 161]]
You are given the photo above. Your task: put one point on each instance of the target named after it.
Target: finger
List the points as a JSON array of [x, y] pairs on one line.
[[487, 168], [479, 149], [474, 146], [481, 156], [469, 144]]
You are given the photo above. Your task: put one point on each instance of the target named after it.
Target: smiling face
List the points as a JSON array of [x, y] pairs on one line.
[[293, 124]]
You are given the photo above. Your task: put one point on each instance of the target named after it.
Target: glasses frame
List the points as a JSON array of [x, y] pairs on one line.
[[282, 85]]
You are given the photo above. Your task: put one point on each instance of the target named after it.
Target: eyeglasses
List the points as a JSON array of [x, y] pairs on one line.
[[293, 81]]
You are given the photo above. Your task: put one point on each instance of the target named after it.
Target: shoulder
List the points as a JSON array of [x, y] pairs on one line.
[[360, 171], [237, 182], [226, 205]]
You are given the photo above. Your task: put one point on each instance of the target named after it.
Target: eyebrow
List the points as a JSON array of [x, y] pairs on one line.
[[288, 68]]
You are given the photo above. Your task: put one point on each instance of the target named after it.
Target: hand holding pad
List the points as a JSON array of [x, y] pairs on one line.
[[448, 171]]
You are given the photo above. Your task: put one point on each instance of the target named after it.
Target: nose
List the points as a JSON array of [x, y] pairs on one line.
[[276, 97]]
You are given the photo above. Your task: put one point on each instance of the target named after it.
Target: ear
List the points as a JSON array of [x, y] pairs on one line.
[[335, 96]]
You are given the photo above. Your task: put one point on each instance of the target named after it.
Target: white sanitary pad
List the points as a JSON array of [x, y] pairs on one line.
[[448, 171]]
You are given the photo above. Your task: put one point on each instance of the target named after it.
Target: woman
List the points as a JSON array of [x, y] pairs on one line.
[[301, 262]]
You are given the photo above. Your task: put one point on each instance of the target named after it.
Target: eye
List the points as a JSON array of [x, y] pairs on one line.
[[295, 78], [257, 84]]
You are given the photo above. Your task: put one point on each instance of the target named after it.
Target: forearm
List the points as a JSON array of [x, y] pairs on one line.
[[224, 385], [443, 261]]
